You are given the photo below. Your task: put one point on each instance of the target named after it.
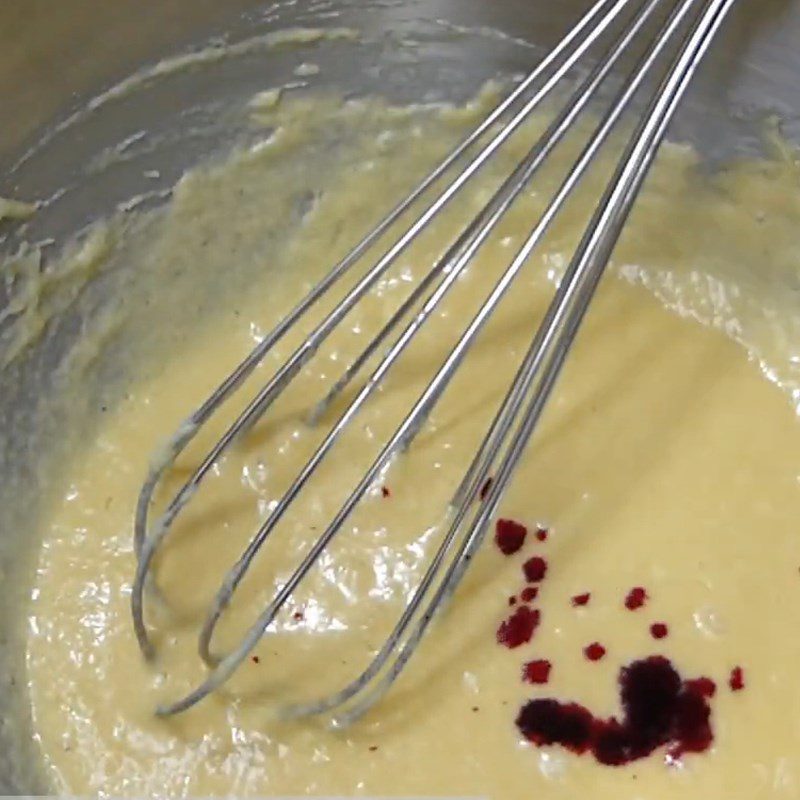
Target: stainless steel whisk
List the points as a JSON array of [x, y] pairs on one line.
[[686, 32]]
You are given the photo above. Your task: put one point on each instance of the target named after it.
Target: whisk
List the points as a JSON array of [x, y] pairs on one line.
[[684, 31]]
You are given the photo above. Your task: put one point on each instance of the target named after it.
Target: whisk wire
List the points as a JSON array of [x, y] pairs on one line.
[[147, 546], [590, 262], [233, 381], [504, 197], [455, 260], [512, 426], [502, 425]]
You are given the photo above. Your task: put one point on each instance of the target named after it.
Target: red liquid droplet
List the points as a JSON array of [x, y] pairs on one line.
[[545, 722], [509, 536], [298, 616], [536, 671], [594, 652], [636, 598], [736, 681], [542, 534], [535, 569], [385, 491], [581, 599], [658, 709], [512, 601], [703, 686], [519, 628], [658, 630], [487, 485], [529, 593]]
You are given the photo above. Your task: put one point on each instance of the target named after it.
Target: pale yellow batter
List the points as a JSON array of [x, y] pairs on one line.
[[664, 460]]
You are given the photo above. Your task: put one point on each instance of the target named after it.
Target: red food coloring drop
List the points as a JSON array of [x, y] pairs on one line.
[[546, 722], [512, 601], [581, 599], [636, 598], [704, 686], [594, 651], [659, 709], [385, 491], [298, 616], [487, 485], [509, 536], [542, 534], [536, 671], [535, 569], [693, 724], [736, 681], [519, 628], [658, 630], [529, 593]]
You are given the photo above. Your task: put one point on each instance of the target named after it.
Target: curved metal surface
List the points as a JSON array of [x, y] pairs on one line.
[[53, 55]]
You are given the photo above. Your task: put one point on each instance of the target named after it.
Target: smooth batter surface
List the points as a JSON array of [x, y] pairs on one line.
[[665, 460]]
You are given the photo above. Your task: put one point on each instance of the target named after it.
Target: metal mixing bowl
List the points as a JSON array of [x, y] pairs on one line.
[[56, 56]]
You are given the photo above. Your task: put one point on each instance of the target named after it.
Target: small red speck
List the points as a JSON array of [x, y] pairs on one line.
[[542, 534], [658, 630], [297, 616], [519, 627], [581, 599], [255, 659], [509, 536], [529, 593], [535, 569], [512, 601], [385, 491], [636, 598], [536, 671], [736, 681], [487, 485], [594, 652], [703, 686]]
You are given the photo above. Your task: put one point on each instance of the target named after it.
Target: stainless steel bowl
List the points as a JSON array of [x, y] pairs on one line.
[[56, 57]]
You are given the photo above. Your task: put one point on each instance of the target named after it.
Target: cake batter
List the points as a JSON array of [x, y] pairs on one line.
[[665, 461]]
